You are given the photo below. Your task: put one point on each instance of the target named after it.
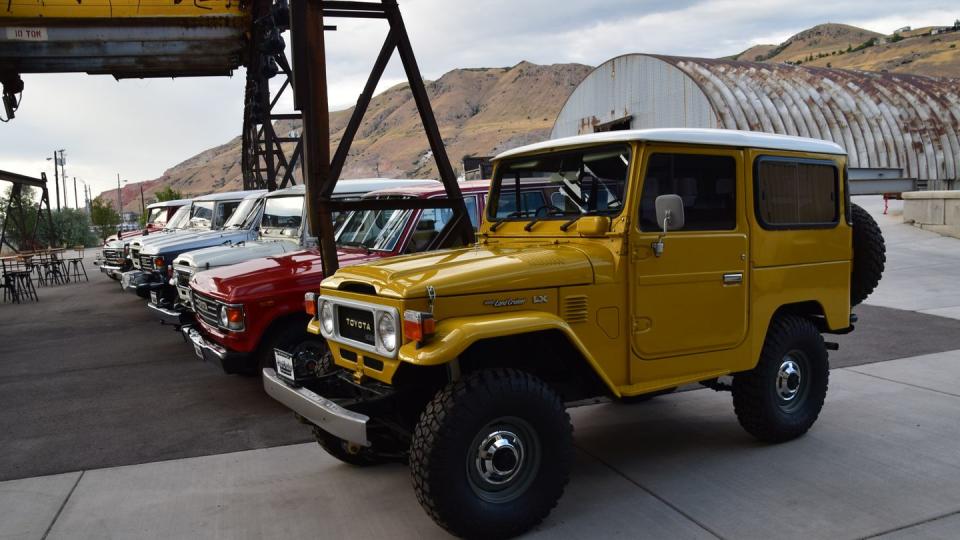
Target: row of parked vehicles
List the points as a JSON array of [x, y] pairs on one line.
[[615, 266]]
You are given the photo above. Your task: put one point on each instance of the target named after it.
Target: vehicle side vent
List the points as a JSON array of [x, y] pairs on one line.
[[355, 287], [575, 309]]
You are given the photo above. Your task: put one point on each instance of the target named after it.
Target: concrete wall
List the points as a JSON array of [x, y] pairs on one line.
[[938, 211]]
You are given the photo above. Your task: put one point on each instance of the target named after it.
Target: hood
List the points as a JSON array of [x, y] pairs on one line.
[[299, 271], [223, 255], [474, 270], [195, 241]]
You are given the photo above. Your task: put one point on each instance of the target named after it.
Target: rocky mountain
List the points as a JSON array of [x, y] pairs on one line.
[[485, 110]]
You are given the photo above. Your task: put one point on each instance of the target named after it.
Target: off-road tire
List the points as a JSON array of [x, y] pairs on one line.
[[285, 338], [446, 437], [869, 255], [756, 398]]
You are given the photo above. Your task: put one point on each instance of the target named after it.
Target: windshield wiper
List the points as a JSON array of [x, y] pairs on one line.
[[550, 212], [499, 222], [570, 223]]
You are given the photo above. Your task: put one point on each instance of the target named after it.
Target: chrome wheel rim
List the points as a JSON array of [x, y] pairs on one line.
[[503, 460], [791, 381]]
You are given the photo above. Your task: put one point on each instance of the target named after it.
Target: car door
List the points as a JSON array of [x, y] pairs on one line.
[[693, 298]]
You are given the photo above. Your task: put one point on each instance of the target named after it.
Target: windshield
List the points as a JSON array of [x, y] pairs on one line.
[[282, 216], [590, 180], [201, 215], [180, 218], [244, 215], [373, 229], [157, 216]]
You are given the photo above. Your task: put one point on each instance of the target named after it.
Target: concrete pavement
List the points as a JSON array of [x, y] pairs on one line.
[[882, 459], [923, 268]]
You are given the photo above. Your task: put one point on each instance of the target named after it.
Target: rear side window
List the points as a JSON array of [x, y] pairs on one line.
[[707, 185], [793, 193]]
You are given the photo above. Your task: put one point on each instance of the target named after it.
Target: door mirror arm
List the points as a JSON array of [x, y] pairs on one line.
[[670, 217]]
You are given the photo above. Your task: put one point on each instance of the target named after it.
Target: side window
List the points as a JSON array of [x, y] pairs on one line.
[[707, 185], [224, 211], [471, 203], [796, 193], [428, 227]]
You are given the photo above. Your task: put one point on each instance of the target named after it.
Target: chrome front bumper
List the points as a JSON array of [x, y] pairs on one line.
[[203, 348], [327, 415], [170, 316]]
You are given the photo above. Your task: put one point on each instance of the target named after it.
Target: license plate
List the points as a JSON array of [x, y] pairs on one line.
[[284, 364], [155, 298], [198, 351]]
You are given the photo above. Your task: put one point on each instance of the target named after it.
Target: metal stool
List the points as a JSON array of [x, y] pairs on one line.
[[24, 286], [75, 266], [9, 286]]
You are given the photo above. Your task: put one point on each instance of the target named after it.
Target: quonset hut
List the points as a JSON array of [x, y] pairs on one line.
[[902, 131]]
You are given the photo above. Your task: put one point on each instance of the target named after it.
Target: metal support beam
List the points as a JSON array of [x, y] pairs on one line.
[[320, 175]]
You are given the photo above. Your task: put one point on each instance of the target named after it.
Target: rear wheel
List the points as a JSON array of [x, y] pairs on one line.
[[492, 453], [782, 396]]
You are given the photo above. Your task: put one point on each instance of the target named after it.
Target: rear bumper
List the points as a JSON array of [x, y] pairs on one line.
[[210, 351], [327, 415]]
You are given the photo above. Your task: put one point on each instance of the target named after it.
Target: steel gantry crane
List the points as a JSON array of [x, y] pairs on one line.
[[173, 38]]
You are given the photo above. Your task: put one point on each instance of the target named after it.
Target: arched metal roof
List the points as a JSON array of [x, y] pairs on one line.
[[882, 120]]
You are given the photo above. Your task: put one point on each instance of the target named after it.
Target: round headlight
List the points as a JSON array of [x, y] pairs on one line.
[[224, 321], [326, 316], [387, 330]]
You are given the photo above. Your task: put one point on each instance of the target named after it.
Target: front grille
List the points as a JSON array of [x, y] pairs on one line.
[[113, 256], [356, 324], [146, 262], [183, 277], [207, 308]]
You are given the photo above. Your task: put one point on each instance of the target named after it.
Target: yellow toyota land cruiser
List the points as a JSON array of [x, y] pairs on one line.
[[651, 259]]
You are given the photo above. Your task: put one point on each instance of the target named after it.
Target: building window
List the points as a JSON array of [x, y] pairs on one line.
[[707, 185], [795, 193]]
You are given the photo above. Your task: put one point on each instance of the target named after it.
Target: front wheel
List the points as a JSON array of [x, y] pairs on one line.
[[782, 396], [491, 453]]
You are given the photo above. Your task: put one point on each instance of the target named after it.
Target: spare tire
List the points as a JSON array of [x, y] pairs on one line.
[[869, 255]]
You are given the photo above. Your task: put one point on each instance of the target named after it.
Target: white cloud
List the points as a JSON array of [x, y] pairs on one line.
[[139, 128]]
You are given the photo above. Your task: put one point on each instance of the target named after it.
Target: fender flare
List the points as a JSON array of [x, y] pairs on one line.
[[454, 336]]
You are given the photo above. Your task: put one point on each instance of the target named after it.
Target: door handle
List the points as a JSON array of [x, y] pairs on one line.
[[733, 278]]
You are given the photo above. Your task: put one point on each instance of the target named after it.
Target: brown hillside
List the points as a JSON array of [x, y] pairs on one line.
[[842, 46], [479, 111]]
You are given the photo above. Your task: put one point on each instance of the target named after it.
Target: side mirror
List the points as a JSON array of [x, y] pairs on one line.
[[669, 217], [669, 212]]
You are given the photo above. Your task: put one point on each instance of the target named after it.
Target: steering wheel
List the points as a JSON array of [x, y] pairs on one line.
[[551, 210]]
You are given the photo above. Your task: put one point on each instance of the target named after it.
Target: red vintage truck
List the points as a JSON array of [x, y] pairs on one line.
[[246, 310]]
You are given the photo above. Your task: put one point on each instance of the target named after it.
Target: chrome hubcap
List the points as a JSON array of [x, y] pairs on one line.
[[789, 378], [499, 457]]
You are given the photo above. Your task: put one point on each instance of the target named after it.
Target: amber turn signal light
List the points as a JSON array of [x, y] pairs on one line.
[[418, 325], [310, 304]]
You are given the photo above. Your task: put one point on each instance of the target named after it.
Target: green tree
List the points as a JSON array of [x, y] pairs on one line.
[[105, 219], [21, 219], [72, 227], [168, 194]]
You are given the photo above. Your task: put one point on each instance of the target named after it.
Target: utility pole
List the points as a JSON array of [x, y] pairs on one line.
[[56, 177], [63, 174], [119, 199], [143, 206], [76, 200]]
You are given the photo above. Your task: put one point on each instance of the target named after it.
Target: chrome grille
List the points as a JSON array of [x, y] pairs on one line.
[[146, 262], [183, 277], [207, 308]]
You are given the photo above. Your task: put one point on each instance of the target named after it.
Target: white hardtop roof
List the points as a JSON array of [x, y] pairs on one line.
[[230, 195], [355, 186], [721, 137], [164, 204]]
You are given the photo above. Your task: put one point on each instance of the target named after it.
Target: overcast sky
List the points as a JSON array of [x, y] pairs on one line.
[[139, 128]]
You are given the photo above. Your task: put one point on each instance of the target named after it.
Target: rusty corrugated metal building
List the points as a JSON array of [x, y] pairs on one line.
[[892, 125]]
